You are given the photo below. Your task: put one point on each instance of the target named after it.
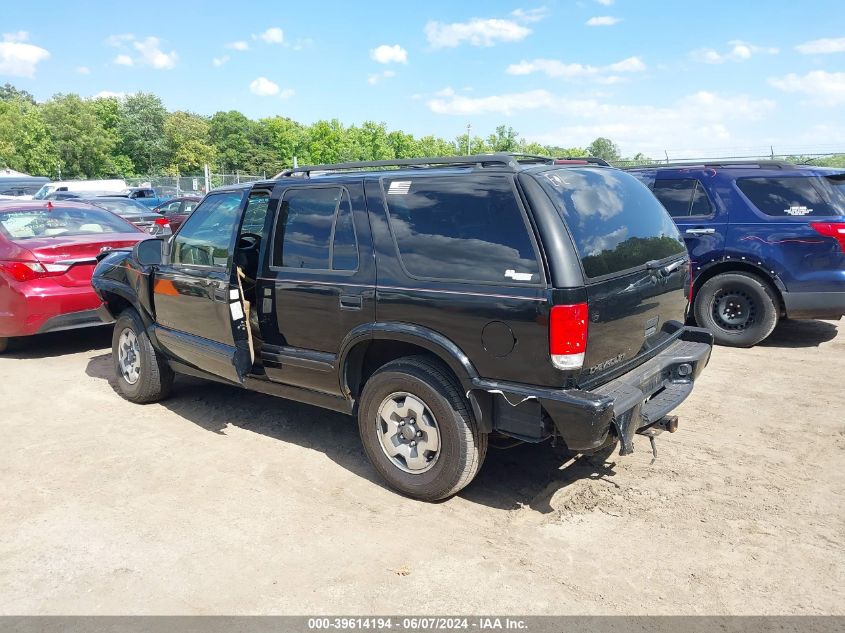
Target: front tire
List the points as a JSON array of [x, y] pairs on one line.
[[740, 309], [418, 431], [143, 376]]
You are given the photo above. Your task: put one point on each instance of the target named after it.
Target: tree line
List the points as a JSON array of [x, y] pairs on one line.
[[69, 136]]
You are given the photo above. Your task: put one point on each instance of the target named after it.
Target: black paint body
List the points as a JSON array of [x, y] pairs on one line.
[[323, 332]]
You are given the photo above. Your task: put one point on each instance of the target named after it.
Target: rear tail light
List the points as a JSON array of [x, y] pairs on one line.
[[568, 335], [27, 271], [160, 225], [835, 230]]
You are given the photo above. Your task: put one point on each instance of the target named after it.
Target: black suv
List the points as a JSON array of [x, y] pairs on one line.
[[439, 300]]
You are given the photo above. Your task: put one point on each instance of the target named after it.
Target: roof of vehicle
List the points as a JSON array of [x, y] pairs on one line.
[[769, 168]]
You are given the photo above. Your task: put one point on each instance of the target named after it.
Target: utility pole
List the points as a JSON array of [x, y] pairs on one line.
[[469, 129]]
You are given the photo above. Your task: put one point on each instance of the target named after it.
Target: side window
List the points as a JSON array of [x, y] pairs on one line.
[[188, 206], [793, 196], [464, 229], [171, 208], [206, 236], [675, 195], [344, 244], [304, 227], [701, 205]]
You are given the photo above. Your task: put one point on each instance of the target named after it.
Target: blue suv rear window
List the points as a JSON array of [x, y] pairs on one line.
[[814, 196], [615, 221]]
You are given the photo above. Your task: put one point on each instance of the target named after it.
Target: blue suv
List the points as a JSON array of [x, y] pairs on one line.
[[766, 240]]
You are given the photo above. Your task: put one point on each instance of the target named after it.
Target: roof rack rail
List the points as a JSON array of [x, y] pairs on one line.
[[752, 164], [591, 160], [477, 160]]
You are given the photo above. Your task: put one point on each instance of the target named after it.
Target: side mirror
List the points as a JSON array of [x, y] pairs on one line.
[[150, 252]]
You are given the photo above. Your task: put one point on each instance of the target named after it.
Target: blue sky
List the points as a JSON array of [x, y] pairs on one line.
[[693, 79]]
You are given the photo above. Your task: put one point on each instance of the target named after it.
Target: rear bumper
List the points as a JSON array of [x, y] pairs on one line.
[[814, 305], [635, 400], [44, 306]]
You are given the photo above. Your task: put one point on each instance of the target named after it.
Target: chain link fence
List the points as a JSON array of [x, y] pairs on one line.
[[173, 186]]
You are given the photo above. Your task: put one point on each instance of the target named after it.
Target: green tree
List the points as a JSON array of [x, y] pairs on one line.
[[231, 134], [25, 143], [141, 132], [329, 142], [83, 146], [287, 138], [370, 142], [506, 139], [188, 138], [403, 145], [9, 93], [604, 148], [435, 146]]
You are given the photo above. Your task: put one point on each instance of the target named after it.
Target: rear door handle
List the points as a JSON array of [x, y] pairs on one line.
[[350, 302], [700, 231]]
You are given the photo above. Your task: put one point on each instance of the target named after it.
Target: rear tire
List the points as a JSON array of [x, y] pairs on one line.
[[143, 376], [740, 309], [418, 430]]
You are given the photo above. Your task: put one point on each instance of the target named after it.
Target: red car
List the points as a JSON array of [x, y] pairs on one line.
[[177, 210], [48, 251]]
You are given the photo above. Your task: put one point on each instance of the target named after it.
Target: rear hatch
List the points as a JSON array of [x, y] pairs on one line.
[[634, 262]]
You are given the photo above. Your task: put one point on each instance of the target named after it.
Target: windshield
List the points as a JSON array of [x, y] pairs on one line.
[[615, 221], [42, 193], [21, 224], [121, 206], [814, 196]]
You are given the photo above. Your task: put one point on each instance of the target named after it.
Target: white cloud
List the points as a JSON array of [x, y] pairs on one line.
[[152, 55], [83, 70], [530, 15], [605, 3], [386, 54], [477, 32], [219, 61], [19, 59], [557, 68], [374, 79], [603, 20], [240, 45], [108, 94], [119, 40], [739, 51], [273, 35], [123, 60], [820, 86], [823, 46], [287, 93], [263, 87], [700, 119]]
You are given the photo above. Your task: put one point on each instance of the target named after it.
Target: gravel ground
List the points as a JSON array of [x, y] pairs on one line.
[[222, 501]]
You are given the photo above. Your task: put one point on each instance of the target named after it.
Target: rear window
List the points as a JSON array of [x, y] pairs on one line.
[[615, 221], [790, 196], [21, 224], [468, 229]]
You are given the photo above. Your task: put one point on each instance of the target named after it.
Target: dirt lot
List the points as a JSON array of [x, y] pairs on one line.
[[221, 501]]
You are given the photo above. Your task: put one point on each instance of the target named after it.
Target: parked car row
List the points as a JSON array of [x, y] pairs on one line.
[[441, 300]]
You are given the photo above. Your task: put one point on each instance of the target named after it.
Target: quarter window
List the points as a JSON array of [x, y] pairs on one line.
[[461, 229], [794, 196], [205, 238], [315, 230]]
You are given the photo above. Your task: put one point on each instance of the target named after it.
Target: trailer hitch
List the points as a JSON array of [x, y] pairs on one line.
[[667, 423]]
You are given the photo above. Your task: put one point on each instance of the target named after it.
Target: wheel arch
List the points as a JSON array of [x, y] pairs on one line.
[[740, 267], [367, 348]]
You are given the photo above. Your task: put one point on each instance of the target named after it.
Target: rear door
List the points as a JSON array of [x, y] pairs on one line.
[[197, 302], [634, 263], [317, 282], [703, 227]]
